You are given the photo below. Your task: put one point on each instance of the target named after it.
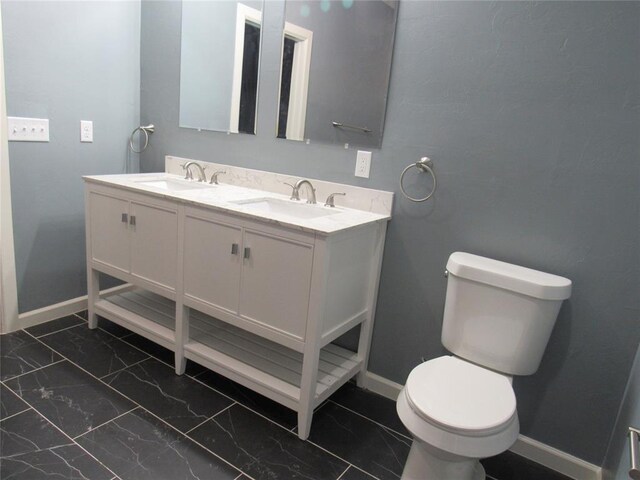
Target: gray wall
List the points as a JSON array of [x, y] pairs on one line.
[[617, 462], [66, 61], [531, 113], [349, 73]]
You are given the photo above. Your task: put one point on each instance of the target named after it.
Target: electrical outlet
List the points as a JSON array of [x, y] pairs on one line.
[[363, 164], [86, 131]]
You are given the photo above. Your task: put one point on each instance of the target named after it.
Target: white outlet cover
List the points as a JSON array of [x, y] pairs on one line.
[[86, 131], [23, 129], [363, 164]]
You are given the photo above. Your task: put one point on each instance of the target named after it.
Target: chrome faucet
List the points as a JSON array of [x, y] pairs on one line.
[[214, 177], [295, 194], [330, 201], [202, 177]]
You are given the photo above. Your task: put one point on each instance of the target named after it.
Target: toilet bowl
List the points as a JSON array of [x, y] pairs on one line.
[[497, 321], [457, 413]]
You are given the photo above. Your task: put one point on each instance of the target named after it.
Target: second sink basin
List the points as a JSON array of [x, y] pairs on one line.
[[286, 207]]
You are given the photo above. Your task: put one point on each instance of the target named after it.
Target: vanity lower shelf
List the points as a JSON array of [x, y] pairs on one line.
[[271, 369]]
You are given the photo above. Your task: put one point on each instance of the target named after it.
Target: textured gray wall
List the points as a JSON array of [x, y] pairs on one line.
[[531, 113], [66, 61], [617, 461]]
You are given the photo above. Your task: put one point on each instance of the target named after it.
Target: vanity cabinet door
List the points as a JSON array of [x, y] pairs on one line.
[[212, 262], [109, 224], [276, 278], [154, 244]]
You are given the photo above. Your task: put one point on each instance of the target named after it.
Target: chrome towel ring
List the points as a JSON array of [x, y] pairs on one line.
[[147, 129], [423, 165]]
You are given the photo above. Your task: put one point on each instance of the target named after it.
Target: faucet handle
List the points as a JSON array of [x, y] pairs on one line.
[[188, 175], [202, 177], [330, 202], [295, 195], [214, 176]]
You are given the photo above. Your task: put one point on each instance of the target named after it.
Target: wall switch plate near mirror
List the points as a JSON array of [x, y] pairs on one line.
[[220, 54], [335, 68]]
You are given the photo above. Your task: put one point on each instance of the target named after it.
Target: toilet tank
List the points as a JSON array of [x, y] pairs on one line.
[[500, 315]]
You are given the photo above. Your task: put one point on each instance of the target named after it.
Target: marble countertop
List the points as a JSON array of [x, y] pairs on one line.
[[230, 198]]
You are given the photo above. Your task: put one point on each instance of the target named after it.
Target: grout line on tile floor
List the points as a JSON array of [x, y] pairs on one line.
[[307, 440], [263, 416], [238, 403], [211, 388], [315, 410], [57, 331], [72, 440], [124, 339], [212, 416], [345, 471], [247, 407], [339, 458], [35, 369], [22, 411], [124, 368], [108, 421], [364, 471], [373, 421], [148, 412]]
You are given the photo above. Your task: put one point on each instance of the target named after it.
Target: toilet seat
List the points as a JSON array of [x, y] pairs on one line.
[[460, 397]]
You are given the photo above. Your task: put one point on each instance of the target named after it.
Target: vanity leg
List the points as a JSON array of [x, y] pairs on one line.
[[93, 295], [182, 311], [363, 352], [366, 329], [311, 352], [182, 336], [308, 390]]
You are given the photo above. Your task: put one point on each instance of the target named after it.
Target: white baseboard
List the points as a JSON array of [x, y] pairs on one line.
[[62, 309], [533, 450], [555, 459]]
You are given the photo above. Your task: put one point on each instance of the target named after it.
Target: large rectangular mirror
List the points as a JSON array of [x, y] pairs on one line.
[[336, 63], [219, 64]]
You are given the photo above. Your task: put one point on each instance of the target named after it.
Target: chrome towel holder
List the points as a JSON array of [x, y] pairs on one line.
[[353, 127], [146, 129], [423, 165], [634, 471]]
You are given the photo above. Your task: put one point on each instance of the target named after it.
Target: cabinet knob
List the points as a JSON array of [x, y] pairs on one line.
[[234, 249], [247, 252], [125, 218]]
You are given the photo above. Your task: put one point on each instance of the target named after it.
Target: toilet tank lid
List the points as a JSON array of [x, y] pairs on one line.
[[510, 277]]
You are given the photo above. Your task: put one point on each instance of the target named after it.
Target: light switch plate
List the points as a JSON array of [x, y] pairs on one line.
[[23, 129], [86, 131], [363, 164]]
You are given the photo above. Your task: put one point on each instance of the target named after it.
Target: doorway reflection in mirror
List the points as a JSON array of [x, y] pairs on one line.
[[336, 92], [220, 54]]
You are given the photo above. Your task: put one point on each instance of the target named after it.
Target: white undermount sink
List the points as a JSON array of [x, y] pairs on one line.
[[173, 185], [286, 207]]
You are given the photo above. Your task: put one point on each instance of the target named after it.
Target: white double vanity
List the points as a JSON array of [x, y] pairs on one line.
[[237, 277]]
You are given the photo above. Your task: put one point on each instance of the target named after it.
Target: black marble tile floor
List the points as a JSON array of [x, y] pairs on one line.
[[106, 404]]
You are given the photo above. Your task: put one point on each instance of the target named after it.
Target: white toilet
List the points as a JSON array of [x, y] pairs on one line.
[[497, 321]]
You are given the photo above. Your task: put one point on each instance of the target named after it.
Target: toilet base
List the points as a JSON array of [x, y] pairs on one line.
[[426, 462]]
